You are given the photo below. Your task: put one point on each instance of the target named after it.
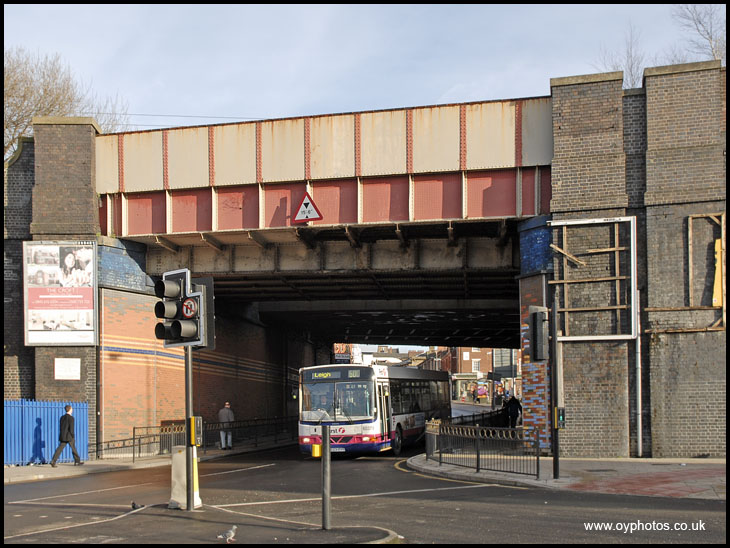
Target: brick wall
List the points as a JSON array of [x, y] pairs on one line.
[[672, 135], [685, 133], [143, 383], [590, 181], [19, 371], [65, 203], [685, 176], [589, 159], [65, 207], [535, 374], [634, 116], [535, 240]]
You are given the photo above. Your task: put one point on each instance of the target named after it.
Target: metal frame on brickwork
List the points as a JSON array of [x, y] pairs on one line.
[[617, 278], [719, 324]]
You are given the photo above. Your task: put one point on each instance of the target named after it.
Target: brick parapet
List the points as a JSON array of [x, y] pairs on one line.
[[588, 169], [65, 203]]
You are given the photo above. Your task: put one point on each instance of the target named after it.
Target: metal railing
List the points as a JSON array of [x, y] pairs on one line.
[[497, 418], [511, 450], [252, 431], [153, 441]]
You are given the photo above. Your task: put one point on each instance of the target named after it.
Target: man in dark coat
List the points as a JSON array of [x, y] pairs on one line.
[[225, 415], [66, 436], [514, 408]]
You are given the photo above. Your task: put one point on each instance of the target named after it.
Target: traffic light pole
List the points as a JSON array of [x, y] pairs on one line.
[[190, 488]]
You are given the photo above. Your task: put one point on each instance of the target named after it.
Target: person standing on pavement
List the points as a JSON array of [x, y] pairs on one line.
[[66, 436], [225, 415], [514, 408]]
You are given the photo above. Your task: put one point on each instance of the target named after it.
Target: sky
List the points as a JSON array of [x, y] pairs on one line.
[[209, 64]]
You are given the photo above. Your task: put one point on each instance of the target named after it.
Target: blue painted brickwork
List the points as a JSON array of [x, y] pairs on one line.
[[535, 239], [122, 266]]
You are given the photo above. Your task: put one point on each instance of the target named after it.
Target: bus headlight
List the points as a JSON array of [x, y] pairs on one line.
[[366, 438], [306, 440]]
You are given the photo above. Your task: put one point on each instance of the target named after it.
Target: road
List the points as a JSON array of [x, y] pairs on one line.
[[257, 491]]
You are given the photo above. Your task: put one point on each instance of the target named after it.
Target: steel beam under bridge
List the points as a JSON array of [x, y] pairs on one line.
[[444, 322]]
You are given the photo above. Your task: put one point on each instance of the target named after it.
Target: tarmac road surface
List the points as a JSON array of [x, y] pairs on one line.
[[275, 497]]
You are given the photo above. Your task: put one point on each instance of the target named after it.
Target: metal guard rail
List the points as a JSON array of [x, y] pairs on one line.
[[510, 450], [152, 441]]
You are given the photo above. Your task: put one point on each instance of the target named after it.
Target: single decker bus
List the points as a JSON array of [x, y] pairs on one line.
[[369, 408]]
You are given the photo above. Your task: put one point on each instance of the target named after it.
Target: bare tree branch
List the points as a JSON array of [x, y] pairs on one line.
[[38, 85], [630, 59], [706, 24]]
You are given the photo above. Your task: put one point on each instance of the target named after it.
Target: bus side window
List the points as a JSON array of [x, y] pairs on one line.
[[396, 397]]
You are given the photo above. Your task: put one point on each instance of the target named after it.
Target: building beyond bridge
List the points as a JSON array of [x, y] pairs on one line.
[[441, 225]]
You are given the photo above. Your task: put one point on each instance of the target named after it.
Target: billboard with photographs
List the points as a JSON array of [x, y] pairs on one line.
[[59, 281]]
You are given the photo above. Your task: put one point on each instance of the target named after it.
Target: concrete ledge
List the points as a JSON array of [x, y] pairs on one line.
[[684, 67], [65, 121], [586, 79]]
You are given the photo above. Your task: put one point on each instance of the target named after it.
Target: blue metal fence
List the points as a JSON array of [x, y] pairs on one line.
[[31, 431]]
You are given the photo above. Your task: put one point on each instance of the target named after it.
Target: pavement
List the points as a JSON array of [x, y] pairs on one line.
[[676, 478], [680, 478], [700, 478]]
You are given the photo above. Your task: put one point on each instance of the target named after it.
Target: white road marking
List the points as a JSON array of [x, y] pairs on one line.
[[73, 526], [264, 517], [342, 497], [238, 470], [80, 493]]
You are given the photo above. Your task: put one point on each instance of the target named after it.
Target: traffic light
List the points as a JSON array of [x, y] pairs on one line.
[[180, 310], [539, 337]]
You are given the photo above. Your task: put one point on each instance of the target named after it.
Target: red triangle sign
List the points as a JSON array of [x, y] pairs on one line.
[[307, 211]]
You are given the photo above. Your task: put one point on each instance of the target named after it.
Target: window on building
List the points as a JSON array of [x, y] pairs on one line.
[[475, 364], [503, 357]]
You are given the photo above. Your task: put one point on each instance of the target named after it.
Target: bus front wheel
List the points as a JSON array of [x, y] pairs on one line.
[[397, 443]]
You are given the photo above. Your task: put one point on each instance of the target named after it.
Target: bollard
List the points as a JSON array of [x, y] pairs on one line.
[[326, 484]]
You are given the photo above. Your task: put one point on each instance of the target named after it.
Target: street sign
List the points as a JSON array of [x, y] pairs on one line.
[[307, 211], [189, 308]]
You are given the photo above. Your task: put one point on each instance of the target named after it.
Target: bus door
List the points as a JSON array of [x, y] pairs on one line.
[[384, 405]]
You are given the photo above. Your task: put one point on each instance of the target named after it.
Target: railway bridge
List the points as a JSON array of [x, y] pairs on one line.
[[436, 225]]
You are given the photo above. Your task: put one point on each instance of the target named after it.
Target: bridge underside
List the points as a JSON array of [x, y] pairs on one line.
[[450, 283], [474, 322]]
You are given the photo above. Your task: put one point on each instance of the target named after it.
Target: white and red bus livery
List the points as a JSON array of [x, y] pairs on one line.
[[369, 409]]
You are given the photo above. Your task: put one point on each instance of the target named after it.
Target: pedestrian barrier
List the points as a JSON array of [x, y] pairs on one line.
[[31, 428], [153, 441], [252, 431], [511, 450]]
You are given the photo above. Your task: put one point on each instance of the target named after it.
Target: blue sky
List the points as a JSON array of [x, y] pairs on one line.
[[252, 61]]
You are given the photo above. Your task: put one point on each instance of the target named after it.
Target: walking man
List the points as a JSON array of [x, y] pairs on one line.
[[66, 436], [514, 409], [225, 415]]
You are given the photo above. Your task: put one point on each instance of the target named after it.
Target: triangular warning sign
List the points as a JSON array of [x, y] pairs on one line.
[[307, 210]]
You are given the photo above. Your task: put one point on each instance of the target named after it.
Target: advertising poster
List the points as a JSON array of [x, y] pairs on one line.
[[59, 280], [342, 352]]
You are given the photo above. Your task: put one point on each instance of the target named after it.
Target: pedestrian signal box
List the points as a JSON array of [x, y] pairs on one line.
[[195, 431]]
